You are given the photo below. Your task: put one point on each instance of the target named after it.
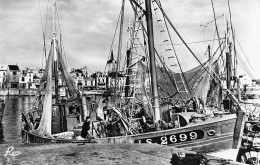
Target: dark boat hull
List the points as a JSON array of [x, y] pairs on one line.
[[207, 136], [253, 96]]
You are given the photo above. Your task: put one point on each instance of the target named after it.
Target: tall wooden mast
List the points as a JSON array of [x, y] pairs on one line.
[[55, 58], [152, 59]]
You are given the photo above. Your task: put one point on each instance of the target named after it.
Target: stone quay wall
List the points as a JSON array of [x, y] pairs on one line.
[[18, 92]]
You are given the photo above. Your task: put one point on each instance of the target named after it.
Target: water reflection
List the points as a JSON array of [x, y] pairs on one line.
[[12, 116], [1, 133], [1, 125]]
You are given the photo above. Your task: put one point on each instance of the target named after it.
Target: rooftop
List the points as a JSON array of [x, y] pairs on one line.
[[13, 67]]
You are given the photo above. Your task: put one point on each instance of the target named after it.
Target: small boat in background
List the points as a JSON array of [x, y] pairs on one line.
[[253, 92], [57, 106]]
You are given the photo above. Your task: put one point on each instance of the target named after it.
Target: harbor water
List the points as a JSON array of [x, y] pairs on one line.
[[11, 118]]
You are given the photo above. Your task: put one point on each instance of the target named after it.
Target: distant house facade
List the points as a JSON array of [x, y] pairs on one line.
[[99, 80], [115, 79], [78, 77], [89, 83], [30, 78], [12, 76], [245, 81], [3, 70]]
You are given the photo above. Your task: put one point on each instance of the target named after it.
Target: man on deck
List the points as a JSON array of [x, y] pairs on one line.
[[85, 128]]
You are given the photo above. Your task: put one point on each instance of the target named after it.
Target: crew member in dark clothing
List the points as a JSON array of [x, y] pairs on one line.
[[85, 127]]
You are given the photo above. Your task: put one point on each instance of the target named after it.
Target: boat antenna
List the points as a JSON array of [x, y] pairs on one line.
[[152, 59]]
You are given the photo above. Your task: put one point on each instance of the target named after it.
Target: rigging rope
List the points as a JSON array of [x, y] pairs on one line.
[[44, 49], [44, 33], [46, 18], [202, 67], [206, 24], [184, 41], [62, 51], [246, 69], [119, 45], [245, 56], [164, 13], [186, 83], [165, 67], [233, 37], [188, 43], [215, 22], [145, 36], [188, 48], [113, 40], [221, 55]]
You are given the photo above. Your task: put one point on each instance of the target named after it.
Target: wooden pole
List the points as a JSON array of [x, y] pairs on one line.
[[239, 128], [238, 89], [119, 46], [55, 57], [152, 60], [228, 64], [127, 83]]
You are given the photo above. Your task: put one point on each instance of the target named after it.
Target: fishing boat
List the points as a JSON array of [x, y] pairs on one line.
[[252, 92], [58, 105], [164, 116], [157, 118]]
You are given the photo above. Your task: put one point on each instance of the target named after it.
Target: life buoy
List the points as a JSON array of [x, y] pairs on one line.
[[211, 133]]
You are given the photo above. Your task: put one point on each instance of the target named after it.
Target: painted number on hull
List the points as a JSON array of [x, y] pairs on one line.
[[174, 138]]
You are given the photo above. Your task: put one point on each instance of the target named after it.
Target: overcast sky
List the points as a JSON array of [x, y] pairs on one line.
[[88, 27]]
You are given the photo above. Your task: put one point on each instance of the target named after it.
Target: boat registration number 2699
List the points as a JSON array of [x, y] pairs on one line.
[[174, 138]]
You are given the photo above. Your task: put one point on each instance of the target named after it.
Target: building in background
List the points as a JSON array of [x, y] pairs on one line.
[[12, 76], [246, 81], [78, 77], [30, 78], [3, 70]]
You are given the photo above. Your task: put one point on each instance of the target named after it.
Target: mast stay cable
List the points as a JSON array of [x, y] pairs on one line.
[[245, 55], [109, 54], [182, 74], [43, 35]]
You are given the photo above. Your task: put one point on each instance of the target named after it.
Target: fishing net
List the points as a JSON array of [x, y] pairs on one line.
[[45, 123], [72, 89]]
